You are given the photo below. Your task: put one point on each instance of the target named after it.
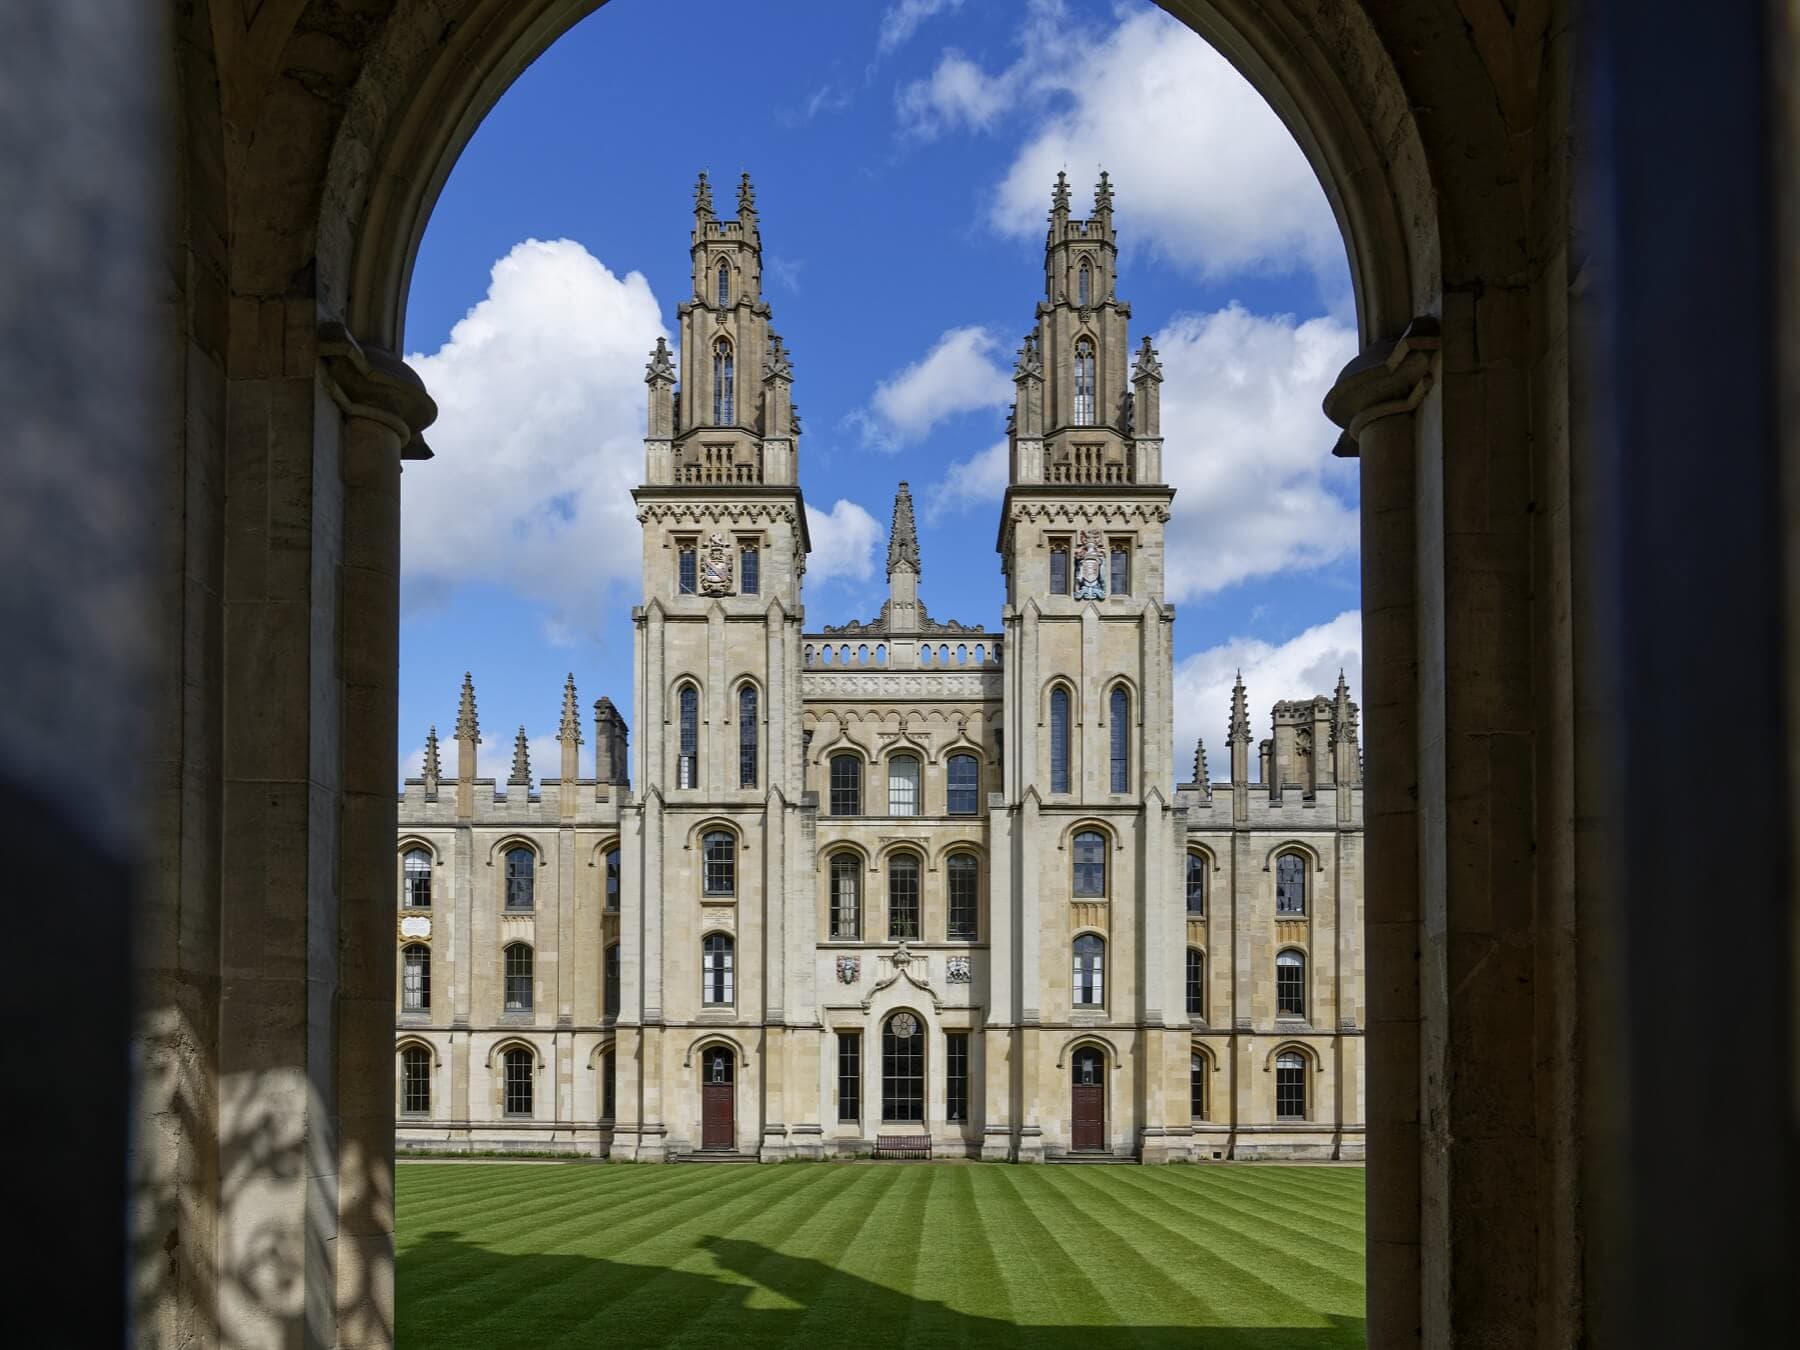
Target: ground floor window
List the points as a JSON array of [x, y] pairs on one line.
[[903, 1068], [415, 1080], [956, 1076], [1290, 1086], [849, 1075], [518, 1082], [609, 1086], [1197, 1087]]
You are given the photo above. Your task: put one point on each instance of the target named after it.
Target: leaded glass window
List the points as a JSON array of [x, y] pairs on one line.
[[1290, 984], [1119, 714], [903, 786], [1196, 884], [903, 898], [1059, 739], [715, 970], [612, 979], [1059, 569], [963, 871], [747, 730], [724, 385], [687, 761], [517, 958], [521, 875], [519, 1072], [718, 852], [612, 880], [415, 978], [1290, 884], [1121, 568], [415, 1080], [903, 1068], [1084, 286], [1197, 1086], [749, 570], [1090, 970], [846, 785], [956, 1076], [964, 785], [1290, 1086], [415, 871], [1196, 983], [1084, 383], [849, 1075], [846, 897], [687, 568], [724, 284], [1090, 863]]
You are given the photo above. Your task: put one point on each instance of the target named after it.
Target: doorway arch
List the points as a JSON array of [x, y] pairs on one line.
[[718, 1098], [1087, 1099]]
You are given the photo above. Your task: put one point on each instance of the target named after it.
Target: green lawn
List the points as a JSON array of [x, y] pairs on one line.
[[829, 1254]]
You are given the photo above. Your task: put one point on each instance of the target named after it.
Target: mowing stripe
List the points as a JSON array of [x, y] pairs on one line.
[[1348, 1209], [1073, 1267], [1236, 1199]]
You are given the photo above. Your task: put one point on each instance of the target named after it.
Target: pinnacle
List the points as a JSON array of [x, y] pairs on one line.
[[569, 733], [703, 203], [468, 726], [521, 770], [903, 534]]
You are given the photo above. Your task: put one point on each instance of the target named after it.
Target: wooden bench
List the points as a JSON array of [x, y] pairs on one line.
[[903, 1146]]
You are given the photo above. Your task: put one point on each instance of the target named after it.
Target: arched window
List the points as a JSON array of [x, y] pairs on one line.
[[612, 880], [612, 979], [718, 854], [1290, 984], [846, 785], [903, 1068], [415, 871], [1196, 983], [903, 785], [964, 785], [1290, 1086], [715, 971], [609, 1086], [903, 898], [1196, 885], [521, 874], [1290, 884], [1084, 383], [687, 761], [724, 385], [1059, 739], [846, 897], [1090, 863], [519, 1073], [724, 283], [963, 871], [518, 977], [1119, 714], [1090, 970], [747, 736], [1084, 285], [415, 978], [1197, 1086], [415, 1080]]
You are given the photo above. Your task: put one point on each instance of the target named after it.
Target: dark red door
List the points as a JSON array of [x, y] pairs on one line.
[[718, 1119], [1089, 1115]]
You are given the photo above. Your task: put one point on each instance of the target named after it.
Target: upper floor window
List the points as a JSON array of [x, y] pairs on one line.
[[1121, 568], [963, 785], [1196, 884], [517, 966], [715, 970], [724, 385], [903, 786], [612, 880], [1084, 285], [747, 736], [1290, 884], [519, 1073], [415, 1080], [687, 568], [724, 284], [903, 898], [415, 978], [1059, 739], [963, 872], [415, 871], [612, 979], [1090, 970], [749, 570], [1197, 1086], [1090, 863], [1196, 983], [1290, 984], [1059, 568], [1119, 714], [846, 785], [1290, 1086], [846, 897], [718, 851], [687, 761], [1084, 383], [521, 876]]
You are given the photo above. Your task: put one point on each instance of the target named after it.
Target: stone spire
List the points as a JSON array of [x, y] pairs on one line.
[[466, 723], [746, 197], [521, 774], [468, 736], [569, 733], [1103, 195], [1343, 713], [1201, 776], [903, 535], [1059, 196], [703, 206], [1239, 733], [433, 766]]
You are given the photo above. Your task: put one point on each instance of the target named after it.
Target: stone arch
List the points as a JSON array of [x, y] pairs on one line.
[[1082, 1039], [1293, 1047], [414, 1041], [506, 843], [1312, 854], [410, 841], [711, 1038]]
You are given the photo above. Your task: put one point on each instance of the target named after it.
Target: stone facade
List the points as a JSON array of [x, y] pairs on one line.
[[901, 876]]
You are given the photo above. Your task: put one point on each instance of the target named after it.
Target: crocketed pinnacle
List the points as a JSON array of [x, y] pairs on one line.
[[903, 534], [1147, 366], [569, 733], [521, 774], [746, 197], [1343, 713], [1240, 712], [1103, 195], [703, 196], [433, 769], [1200, 774], [661, 367], [1059, 196], [467, 726]]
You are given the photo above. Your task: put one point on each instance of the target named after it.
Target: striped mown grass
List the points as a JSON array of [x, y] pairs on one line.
[[1259, 1257]]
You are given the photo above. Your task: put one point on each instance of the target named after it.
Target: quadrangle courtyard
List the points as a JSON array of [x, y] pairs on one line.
[[1245, 1257]]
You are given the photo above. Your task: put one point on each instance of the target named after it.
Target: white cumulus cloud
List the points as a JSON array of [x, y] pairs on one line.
[[539, 437], [959, 374], [844, 543], [978, 481], [1304, 665], [903, 18]]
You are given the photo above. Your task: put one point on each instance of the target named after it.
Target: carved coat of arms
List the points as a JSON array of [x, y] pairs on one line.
[[849, 969], [1090, 565], [956, 970], [715, 566]]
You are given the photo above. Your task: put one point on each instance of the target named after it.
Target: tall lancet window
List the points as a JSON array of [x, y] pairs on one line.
[[1084, 286], [1084, 383], [724, 385], [724, 284]]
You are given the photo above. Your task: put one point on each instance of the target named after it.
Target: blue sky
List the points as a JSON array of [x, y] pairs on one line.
[[903, 156]]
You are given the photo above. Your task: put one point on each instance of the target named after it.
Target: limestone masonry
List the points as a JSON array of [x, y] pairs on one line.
[[905, 879]]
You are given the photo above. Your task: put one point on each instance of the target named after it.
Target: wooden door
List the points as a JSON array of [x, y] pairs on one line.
[[718, 1114], [1088, 1116]]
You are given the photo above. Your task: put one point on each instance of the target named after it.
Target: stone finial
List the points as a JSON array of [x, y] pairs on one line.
[[703, 197], [746, 196], [903, 534], [1240, 713], [1200, 774], [1103, 196], [776, 364], [569, 733], [1343, 713], [433, 766], [1147, 366], [467, 726], [521, 773], [661, 368], [1031, 361], [1059, 196]]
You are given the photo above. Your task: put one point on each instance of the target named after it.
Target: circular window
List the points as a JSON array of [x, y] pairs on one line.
[[906, 1026]]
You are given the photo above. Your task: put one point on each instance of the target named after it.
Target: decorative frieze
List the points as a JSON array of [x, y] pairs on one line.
[[877, 684]]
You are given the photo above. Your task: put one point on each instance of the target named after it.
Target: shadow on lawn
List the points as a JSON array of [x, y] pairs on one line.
[[549, 1300]]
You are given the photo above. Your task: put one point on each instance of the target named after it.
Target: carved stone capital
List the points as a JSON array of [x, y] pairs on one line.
[[1386, 379], [376, 384]]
